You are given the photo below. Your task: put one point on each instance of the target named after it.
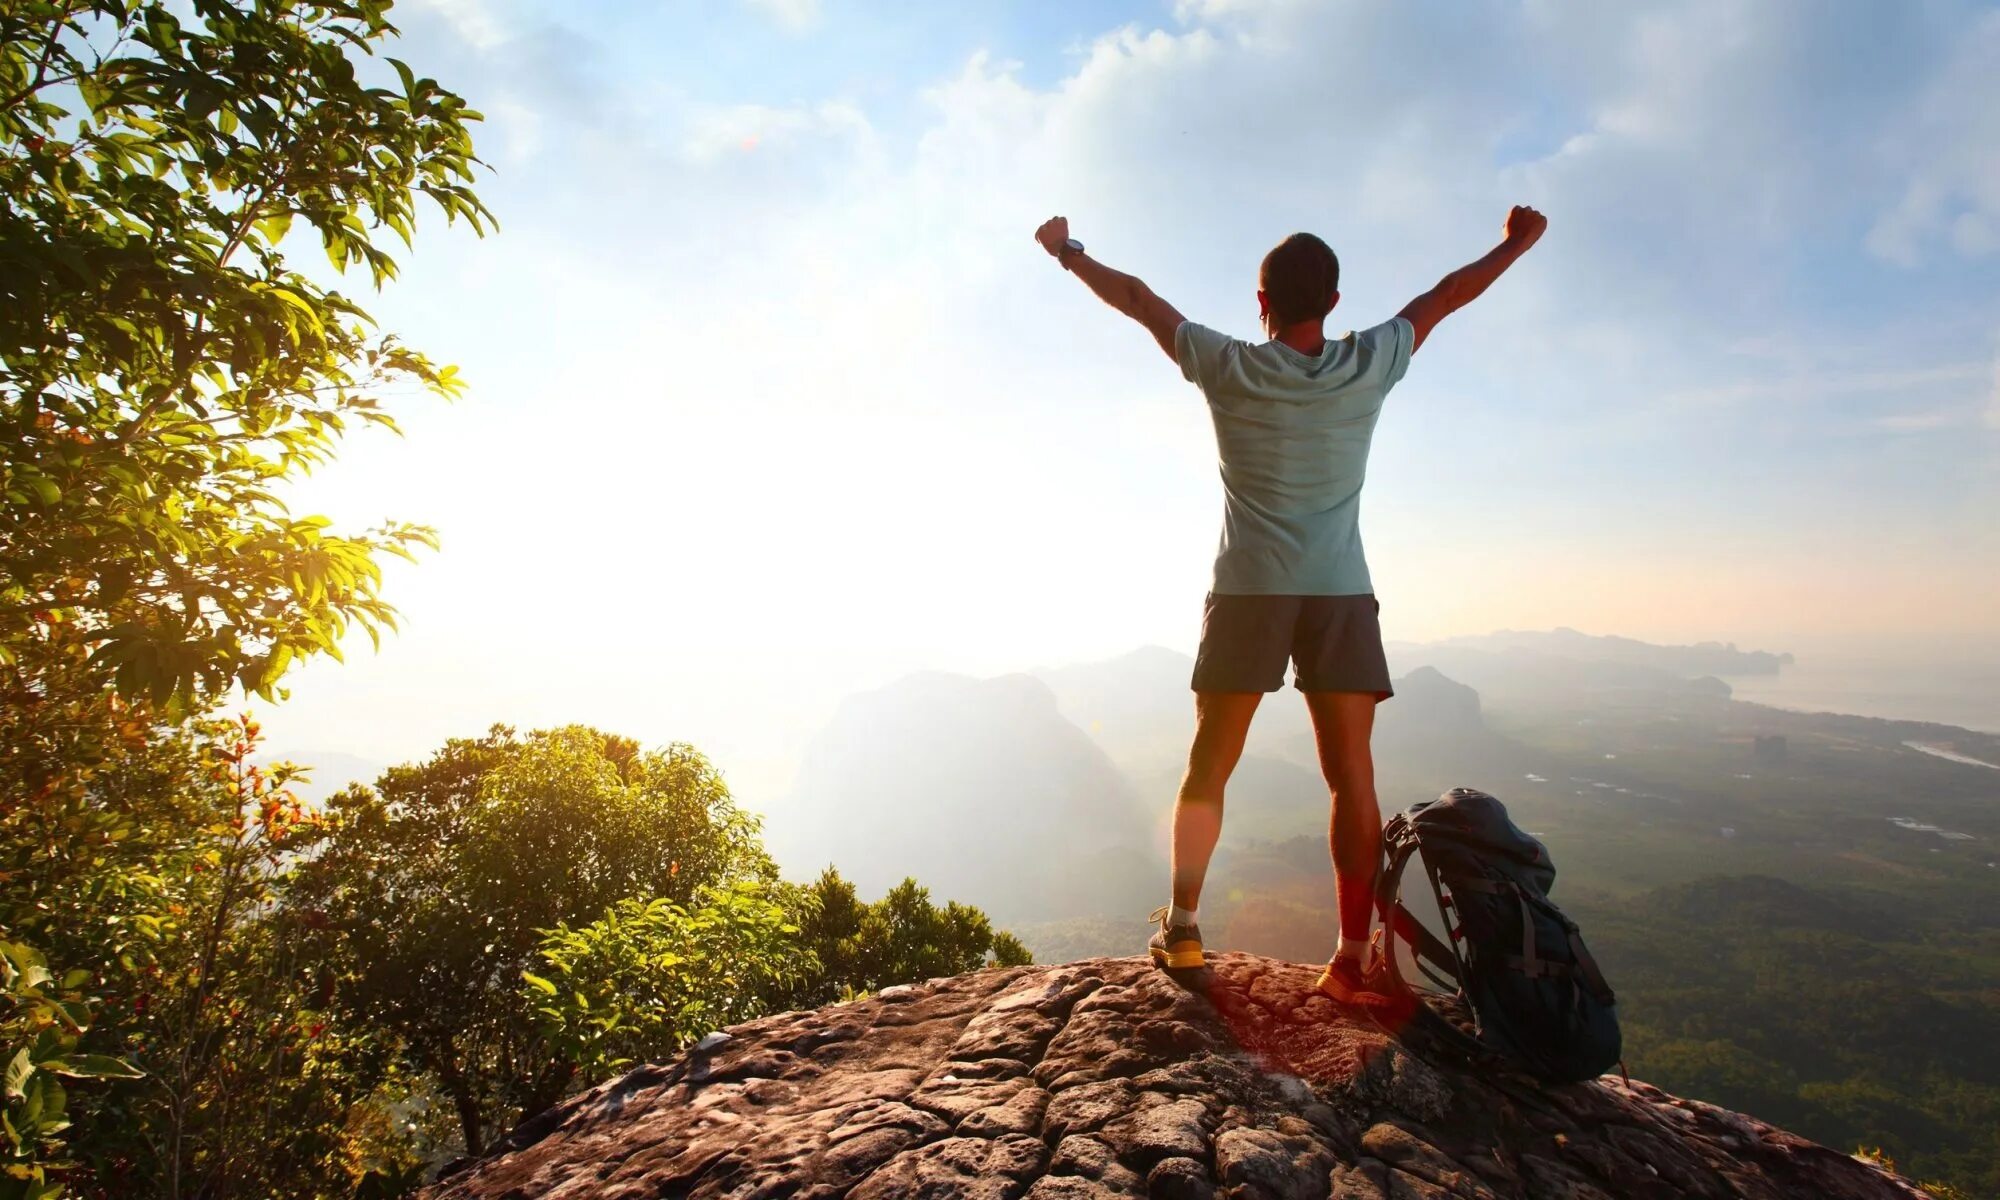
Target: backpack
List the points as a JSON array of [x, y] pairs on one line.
[[1512, 957]]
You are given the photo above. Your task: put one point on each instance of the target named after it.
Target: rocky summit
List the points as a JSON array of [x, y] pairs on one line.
[[1106, 1077]]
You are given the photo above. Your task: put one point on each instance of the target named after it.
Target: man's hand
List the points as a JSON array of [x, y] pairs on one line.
[[1053, 233], [1524, 226]]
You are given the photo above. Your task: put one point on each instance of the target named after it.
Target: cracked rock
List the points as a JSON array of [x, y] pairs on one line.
[[1108, 1078]]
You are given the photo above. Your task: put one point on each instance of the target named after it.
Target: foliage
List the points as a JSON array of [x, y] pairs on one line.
[[161, 367], [1010, 951], [429, 898], [93, 783], [144, 858], [291, 988], [247, 1088], [162, 373], [902, 938], [41, 1026], [650, 976], [582, 904], [1830, 1019], [85, 778]]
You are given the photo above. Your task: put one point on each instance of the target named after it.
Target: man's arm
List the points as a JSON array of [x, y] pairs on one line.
[[1462, 287], [1126, 293]]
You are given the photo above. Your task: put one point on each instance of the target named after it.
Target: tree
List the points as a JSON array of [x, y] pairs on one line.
[[651, 976], [245, 1090], [93, 790], [431, 896], [177, 1044], [1010, 951], [163, 373], [901, 938], [161, 367]]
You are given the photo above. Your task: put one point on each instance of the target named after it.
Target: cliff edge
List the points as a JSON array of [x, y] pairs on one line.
[[1106, 1077]]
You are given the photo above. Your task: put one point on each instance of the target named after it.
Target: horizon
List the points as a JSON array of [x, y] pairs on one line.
[[726, 457], [763, 772]]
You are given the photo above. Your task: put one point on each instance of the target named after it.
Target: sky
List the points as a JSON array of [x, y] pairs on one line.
[[773, 398]]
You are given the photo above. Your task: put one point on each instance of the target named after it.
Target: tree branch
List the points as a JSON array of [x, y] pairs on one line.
[[42, 79]]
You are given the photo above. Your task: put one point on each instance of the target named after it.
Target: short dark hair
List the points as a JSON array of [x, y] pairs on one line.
[[1298, 279]]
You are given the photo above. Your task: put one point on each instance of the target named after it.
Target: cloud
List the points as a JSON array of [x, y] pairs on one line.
[[793, 16], [710, 132], [472, 20], [1692, 157], [1943, 149], [768, 383]]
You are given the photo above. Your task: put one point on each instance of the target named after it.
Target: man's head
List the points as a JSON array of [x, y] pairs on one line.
[[1299, 281]]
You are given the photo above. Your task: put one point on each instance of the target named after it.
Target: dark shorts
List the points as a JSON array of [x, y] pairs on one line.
[[1336, 642]]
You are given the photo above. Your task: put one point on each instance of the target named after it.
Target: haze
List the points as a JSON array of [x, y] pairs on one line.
[[773, 398]]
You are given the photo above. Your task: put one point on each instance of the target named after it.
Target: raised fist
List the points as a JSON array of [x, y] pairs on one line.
[[1524, 225], [1053, 233]]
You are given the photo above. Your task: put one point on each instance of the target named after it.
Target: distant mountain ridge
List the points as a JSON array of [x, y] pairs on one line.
[[1045, 797], [1048, 797], [1702, 658]]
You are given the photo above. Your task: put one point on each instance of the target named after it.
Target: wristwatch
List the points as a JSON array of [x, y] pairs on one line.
[[1069, 246]]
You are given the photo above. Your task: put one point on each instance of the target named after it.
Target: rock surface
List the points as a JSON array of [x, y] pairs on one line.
[[1106, 1077]]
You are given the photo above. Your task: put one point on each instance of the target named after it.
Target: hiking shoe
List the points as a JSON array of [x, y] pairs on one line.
[[1175, 947], [1349, 982]]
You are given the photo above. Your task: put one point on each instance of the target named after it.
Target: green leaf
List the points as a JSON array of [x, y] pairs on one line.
[[538, 983], [41, 1189], [94, 1066], [15, 1080]]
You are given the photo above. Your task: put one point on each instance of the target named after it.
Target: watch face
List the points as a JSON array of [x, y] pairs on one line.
[[1072, 244]]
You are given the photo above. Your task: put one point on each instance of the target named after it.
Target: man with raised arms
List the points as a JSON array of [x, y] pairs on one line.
[[1293, 416]]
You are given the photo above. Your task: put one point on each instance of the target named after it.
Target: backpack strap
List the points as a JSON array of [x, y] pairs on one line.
[[1593, 979], [1531, 964], [1399, 842], [1442, 953]]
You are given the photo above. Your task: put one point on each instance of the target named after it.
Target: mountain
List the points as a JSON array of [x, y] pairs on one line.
[[1139, 708], [1106, 1078], [1688, 662], [980, 786], [1524, 674], [1047, 797], [1043, 797]]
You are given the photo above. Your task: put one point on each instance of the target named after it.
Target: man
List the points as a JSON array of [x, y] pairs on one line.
[[1293, 420]]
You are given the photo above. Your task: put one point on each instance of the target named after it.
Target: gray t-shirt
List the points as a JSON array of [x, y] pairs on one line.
[[1293, 431]]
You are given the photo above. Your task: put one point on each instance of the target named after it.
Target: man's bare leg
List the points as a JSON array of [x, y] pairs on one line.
[[1221, 722], [1342, 725]]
